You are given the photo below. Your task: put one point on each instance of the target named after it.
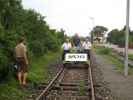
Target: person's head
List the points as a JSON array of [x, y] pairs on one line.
[[76, 35], [86, 40], [22, 40], [67, 40]]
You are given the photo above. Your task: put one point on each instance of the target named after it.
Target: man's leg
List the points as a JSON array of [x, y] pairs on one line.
[[63, 55], [25, 73], [88, 54], [25, 78], [20, 77]]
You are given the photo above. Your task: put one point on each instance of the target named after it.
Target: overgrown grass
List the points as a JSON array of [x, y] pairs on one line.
[[39, 68], [12, 91], [112, 58], [82, 88], [103, 50], [38, 72], [130, 56]]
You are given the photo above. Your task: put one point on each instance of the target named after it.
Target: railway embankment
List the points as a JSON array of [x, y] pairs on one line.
[[111, 74], [102, 90], [41, 71]]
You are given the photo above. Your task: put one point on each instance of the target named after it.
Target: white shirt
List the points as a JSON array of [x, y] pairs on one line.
[[86, 45], [66, 46]]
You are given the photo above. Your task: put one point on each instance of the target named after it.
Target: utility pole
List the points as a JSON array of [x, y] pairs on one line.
[[93, 24], [126, 37]]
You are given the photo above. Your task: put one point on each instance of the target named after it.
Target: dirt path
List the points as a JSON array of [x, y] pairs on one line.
[[121, 87]]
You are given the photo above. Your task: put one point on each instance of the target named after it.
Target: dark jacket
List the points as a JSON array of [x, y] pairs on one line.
[[76, 41]]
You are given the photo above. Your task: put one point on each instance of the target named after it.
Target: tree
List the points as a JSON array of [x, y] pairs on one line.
[[16, 22], [99, 31], [118, 37], [113, 36]]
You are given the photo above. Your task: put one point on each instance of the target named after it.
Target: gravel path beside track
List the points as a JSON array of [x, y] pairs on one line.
[[120, 86]]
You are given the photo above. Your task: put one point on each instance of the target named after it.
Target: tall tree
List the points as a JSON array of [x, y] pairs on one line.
[[16, 22], [99, 30]]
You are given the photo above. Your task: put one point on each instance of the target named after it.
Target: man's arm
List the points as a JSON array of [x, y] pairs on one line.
[[25, 56]]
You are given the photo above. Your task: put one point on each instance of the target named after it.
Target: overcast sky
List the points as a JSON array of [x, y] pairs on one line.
[[79, 16]]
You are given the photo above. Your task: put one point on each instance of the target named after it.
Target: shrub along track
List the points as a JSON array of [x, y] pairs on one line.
[[120, 56], [72, 82]]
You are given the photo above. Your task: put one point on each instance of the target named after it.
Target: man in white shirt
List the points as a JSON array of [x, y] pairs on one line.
[[66, 48], [87, 47]]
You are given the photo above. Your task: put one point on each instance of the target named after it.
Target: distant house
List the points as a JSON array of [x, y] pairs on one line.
[[100, 38]]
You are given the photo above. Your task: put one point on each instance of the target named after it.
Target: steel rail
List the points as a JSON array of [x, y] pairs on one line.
[[91, 81]]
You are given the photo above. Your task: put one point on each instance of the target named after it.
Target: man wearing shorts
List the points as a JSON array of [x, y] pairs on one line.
[[22, 61]]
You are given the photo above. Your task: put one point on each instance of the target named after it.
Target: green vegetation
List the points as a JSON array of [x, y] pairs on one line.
[[112, 58], [118, 37], [15, 22], [104, 50], [99, 30], [38, 73], [130, 56], [39, 68], [12, 91], [82, 88]]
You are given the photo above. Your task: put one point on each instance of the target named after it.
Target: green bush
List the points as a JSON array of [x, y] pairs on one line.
[[103, 50], [16, 22], [118, 37], [4, 64], [130, 56]]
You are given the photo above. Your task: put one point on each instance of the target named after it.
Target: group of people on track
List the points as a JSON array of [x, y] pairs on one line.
[[77, 43]]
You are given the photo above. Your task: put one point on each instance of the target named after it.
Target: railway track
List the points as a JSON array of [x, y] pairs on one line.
[[72, 82]]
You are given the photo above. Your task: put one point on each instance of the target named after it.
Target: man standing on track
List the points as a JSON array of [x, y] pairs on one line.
[[22, 61]]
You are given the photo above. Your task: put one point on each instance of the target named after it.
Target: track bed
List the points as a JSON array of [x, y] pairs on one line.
[[72, 82]]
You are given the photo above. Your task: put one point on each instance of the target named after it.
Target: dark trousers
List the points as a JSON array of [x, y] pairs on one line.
[[88, 53], [64, 53]]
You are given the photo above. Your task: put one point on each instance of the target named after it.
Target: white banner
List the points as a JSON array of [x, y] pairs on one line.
[[76, 57]]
